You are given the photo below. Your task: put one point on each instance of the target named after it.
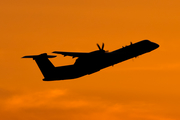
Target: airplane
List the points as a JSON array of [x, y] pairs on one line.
[[88, 63]]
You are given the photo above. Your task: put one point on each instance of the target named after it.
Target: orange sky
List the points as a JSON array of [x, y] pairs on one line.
[[145, 88]]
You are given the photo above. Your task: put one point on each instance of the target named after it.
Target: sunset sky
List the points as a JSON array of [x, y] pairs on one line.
[[142, 88]]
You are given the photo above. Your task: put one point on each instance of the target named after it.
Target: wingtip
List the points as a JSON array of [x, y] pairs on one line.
[[31, 56], [55, 52]]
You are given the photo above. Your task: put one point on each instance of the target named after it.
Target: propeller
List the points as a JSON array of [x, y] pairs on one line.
[[100, 47]]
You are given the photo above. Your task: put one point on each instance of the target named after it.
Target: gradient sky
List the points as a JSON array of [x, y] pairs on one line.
[[143, 88]]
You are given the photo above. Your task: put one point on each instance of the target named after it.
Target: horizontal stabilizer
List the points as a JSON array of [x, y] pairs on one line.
[[44, 55]]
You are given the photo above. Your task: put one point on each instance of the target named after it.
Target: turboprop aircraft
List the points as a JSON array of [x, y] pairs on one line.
[[88, 63]]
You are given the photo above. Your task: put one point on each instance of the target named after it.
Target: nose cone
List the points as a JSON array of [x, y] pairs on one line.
[[155, 45]]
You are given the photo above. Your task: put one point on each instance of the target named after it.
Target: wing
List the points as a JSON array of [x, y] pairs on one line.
[[73, 54]]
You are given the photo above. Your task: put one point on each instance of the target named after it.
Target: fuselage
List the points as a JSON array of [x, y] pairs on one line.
[[89, 63], [97, 61]]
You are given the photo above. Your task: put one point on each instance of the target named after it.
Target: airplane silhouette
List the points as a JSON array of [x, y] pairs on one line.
[[88, 63]]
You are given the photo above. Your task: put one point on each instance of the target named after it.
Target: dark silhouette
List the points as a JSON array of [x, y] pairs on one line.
[[88, 63]]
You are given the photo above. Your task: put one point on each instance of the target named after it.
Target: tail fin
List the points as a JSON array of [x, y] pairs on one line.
[[44, 64]]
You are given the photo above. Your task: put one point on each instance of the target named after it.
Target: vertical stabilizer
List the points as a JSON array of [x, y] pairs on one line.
[[44, 64]]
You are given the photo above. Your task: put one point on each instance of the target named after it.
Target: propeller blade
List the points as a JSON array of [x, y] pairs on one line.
[[99, 47], [102, 46]]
